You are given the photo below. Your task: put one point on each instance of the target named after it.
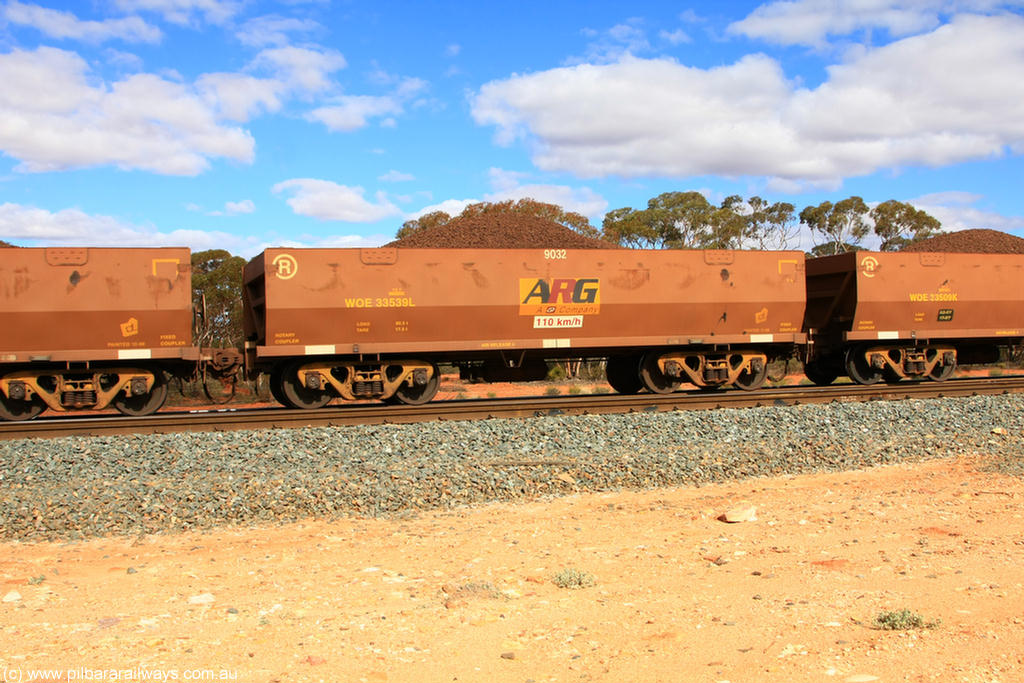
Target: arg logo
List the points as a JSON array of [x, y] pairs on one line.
[[559, 296]]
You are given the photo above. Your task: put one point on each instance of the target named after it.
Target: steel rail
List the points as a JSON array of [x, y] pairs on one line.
[[475, 409]]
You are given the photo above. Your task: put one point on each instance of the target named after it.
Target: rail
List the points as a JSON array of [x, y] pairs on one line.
[[475, 409]]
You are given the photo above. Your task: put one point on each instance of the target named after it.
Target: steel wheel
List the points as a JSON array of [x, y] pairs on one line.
[[16, 410], [748, 381], [623, 374], [818, 373], [146, 404], [940, 373], [858, 370], [653, 379], [296, 394], [276, 386], [418, 394]]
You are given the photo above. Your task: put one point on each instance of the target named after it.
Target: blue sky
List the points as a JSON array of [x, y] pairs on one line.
[[242, 124]]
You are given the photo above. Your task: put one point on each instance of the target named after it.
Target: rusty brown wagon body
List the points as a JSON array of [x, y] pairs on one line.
[[876, 315], [87, 327], [374, 322]]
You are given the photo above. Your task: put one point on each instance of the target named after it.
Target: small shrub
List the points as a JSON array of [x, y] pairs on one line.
[[552, 391], [995, 372], [601, 390], [472, 589], [901, 620], [491, 394], [574, 390], [574, 578]]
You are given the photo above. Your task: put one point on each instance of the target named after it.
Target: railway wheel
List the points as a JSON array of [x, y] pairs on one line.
[[296, 394], [858, 369], [623, 374], [17, 410], [940, 373], [653, 379], [748, 380], [418, 394], [277, 386], [144, 404], [819, 373]]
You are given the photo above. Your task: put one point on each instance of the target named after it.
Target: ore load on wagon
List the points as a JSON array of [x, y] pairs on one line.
[[974, 241], [499, 230]]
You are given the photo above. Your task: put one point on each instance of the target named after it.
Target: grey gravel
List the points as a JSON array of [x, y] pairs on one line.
[[81, 487]]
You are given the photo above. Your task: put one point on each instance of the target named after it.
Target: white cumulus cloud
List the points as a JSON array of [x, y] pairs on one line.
[[352, 112], [31, 225], [959, 211], [452, 207], [301, 68], [238, 97], [274, 30], [185, 12], [394, 176], [330, 201], [55, 114], [951, 95], [510, 185], [811, 22], [65, 25]]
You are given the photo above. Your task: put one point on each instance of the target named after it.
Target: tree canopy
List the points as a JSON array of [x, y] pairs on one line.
[[899, 224], [217, 281], [687, 220], [843, 224]]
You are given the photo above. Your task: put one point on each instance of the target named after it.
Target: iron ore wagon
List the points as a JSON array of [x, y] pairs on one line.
[[877, 316], [374, 323]]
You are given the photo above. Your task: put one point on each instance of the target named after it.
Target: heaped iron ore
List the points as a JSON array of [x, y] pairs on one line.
[[500, 231], [976, 241]]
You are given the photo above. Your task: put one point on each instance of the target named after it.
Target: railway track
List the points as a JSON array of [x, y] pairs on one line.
[[476, 409]]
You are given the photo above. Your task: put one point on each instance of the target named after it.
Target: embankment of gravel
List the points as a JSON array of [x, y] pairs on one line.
[[81, 487]]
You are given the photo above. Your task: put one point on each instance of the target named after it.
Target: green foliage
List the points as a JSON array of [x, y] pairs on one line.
[[217, 280], [843, 224], [901, 620], [900, 224], [552, 391], [687, 220], [672, 220], [574, 578], [770, 226]]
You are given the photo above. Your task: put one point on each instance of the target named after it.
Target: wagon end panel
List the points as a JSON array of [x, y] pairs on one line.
[[95, 303]]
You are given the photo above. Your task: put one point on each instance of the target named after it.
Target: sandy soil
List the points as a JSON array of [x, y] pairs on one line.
[[470, 594]]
